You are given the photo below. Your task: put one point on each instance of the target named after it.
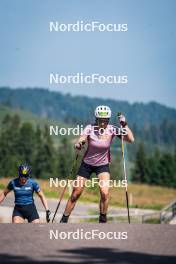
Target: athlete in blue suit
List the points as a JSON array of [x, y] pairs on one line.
[[24, 188]]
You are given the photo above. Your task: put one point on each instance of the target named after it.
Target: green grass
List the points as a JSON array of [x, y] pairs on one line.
[[143, 196], [151, 206], [2, 186], [51, 194], [152, 221]]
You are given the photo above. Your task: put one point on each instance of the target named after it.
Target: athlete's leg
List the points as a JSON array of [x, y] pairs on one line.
[[104, 192], [17, 216], [17, 219], [77, 191]]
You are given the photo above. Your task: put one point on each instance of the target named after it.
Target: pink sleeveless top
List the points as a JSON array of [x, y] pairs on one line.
[[98, 150]]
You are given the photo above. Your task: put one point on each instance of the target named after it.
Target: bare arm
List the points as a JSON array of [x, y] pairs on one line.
[[129, 137], [129, 134], [43, 199], [3, 195]]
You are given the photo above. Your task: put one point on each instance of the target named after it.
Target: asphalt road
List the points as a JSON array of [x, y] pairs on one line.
[[27, 243]]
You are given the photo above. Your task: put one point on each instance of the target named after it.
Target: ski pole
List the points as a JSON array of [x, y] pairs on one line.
[[125, 174], [63, 192]]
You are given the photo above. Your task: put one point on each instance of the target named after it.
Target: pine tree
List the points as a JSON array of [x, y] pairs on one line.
[[167, 170], [26, 143], [139, 172], [65, 159], [45, 159], [9, 157], [154, 173], [38, 154]]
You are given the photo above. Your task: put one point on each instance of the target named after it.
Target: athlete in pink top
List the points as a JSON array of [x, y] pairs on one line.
[[97, 158], [98, 151]]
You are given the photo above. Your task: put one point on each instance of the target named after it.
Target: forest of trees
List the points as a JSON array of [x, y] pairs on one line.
[[158, 168], [163, 133], [151, 122], [72, 109], [21, 142]]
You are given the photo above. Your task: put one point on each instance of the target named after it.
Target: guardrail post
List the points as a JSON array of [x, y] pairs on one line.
[[174, 209]]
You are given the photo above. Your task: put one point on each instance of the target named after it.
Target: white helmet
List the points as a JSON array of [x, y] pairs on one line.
[[102, 111]]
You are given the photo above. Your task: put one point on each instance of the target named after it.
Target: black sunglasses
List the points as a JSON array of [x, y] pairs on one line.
[[24, 176]]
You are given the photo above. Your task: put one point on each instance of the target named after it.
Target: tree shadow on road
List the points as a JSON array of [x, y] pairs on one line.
[[87, 255]]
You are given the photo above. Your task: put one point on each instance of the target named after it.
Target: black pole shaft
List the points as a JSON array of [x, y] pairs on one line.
[[62, 194], [127, 207], [125, 174]]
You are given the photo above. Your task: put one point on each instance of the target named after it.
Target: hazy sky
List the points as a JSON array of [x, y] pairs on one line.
[[146, 52]]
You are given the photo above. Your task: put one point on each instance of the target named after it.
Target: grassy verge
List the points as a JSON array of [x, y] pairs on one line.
[[140, 195]]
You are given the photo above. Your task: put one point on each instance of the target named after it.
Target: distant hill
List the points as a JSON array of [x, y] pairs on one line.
[[29, 117], [24, 116], [73, 109], [152, 123]]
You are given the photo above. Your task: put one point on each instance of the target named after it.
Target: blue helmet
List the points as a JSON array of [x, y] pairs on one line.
[[24, 171]]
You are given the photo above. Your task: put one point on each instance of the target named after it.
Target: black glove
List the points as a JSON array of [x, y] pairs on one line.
[[79, 145], [48, 216]]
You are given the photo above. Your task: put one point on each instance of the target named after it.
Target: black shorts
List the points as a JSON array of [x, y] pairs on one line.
[[85, 170], [28, 212]]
